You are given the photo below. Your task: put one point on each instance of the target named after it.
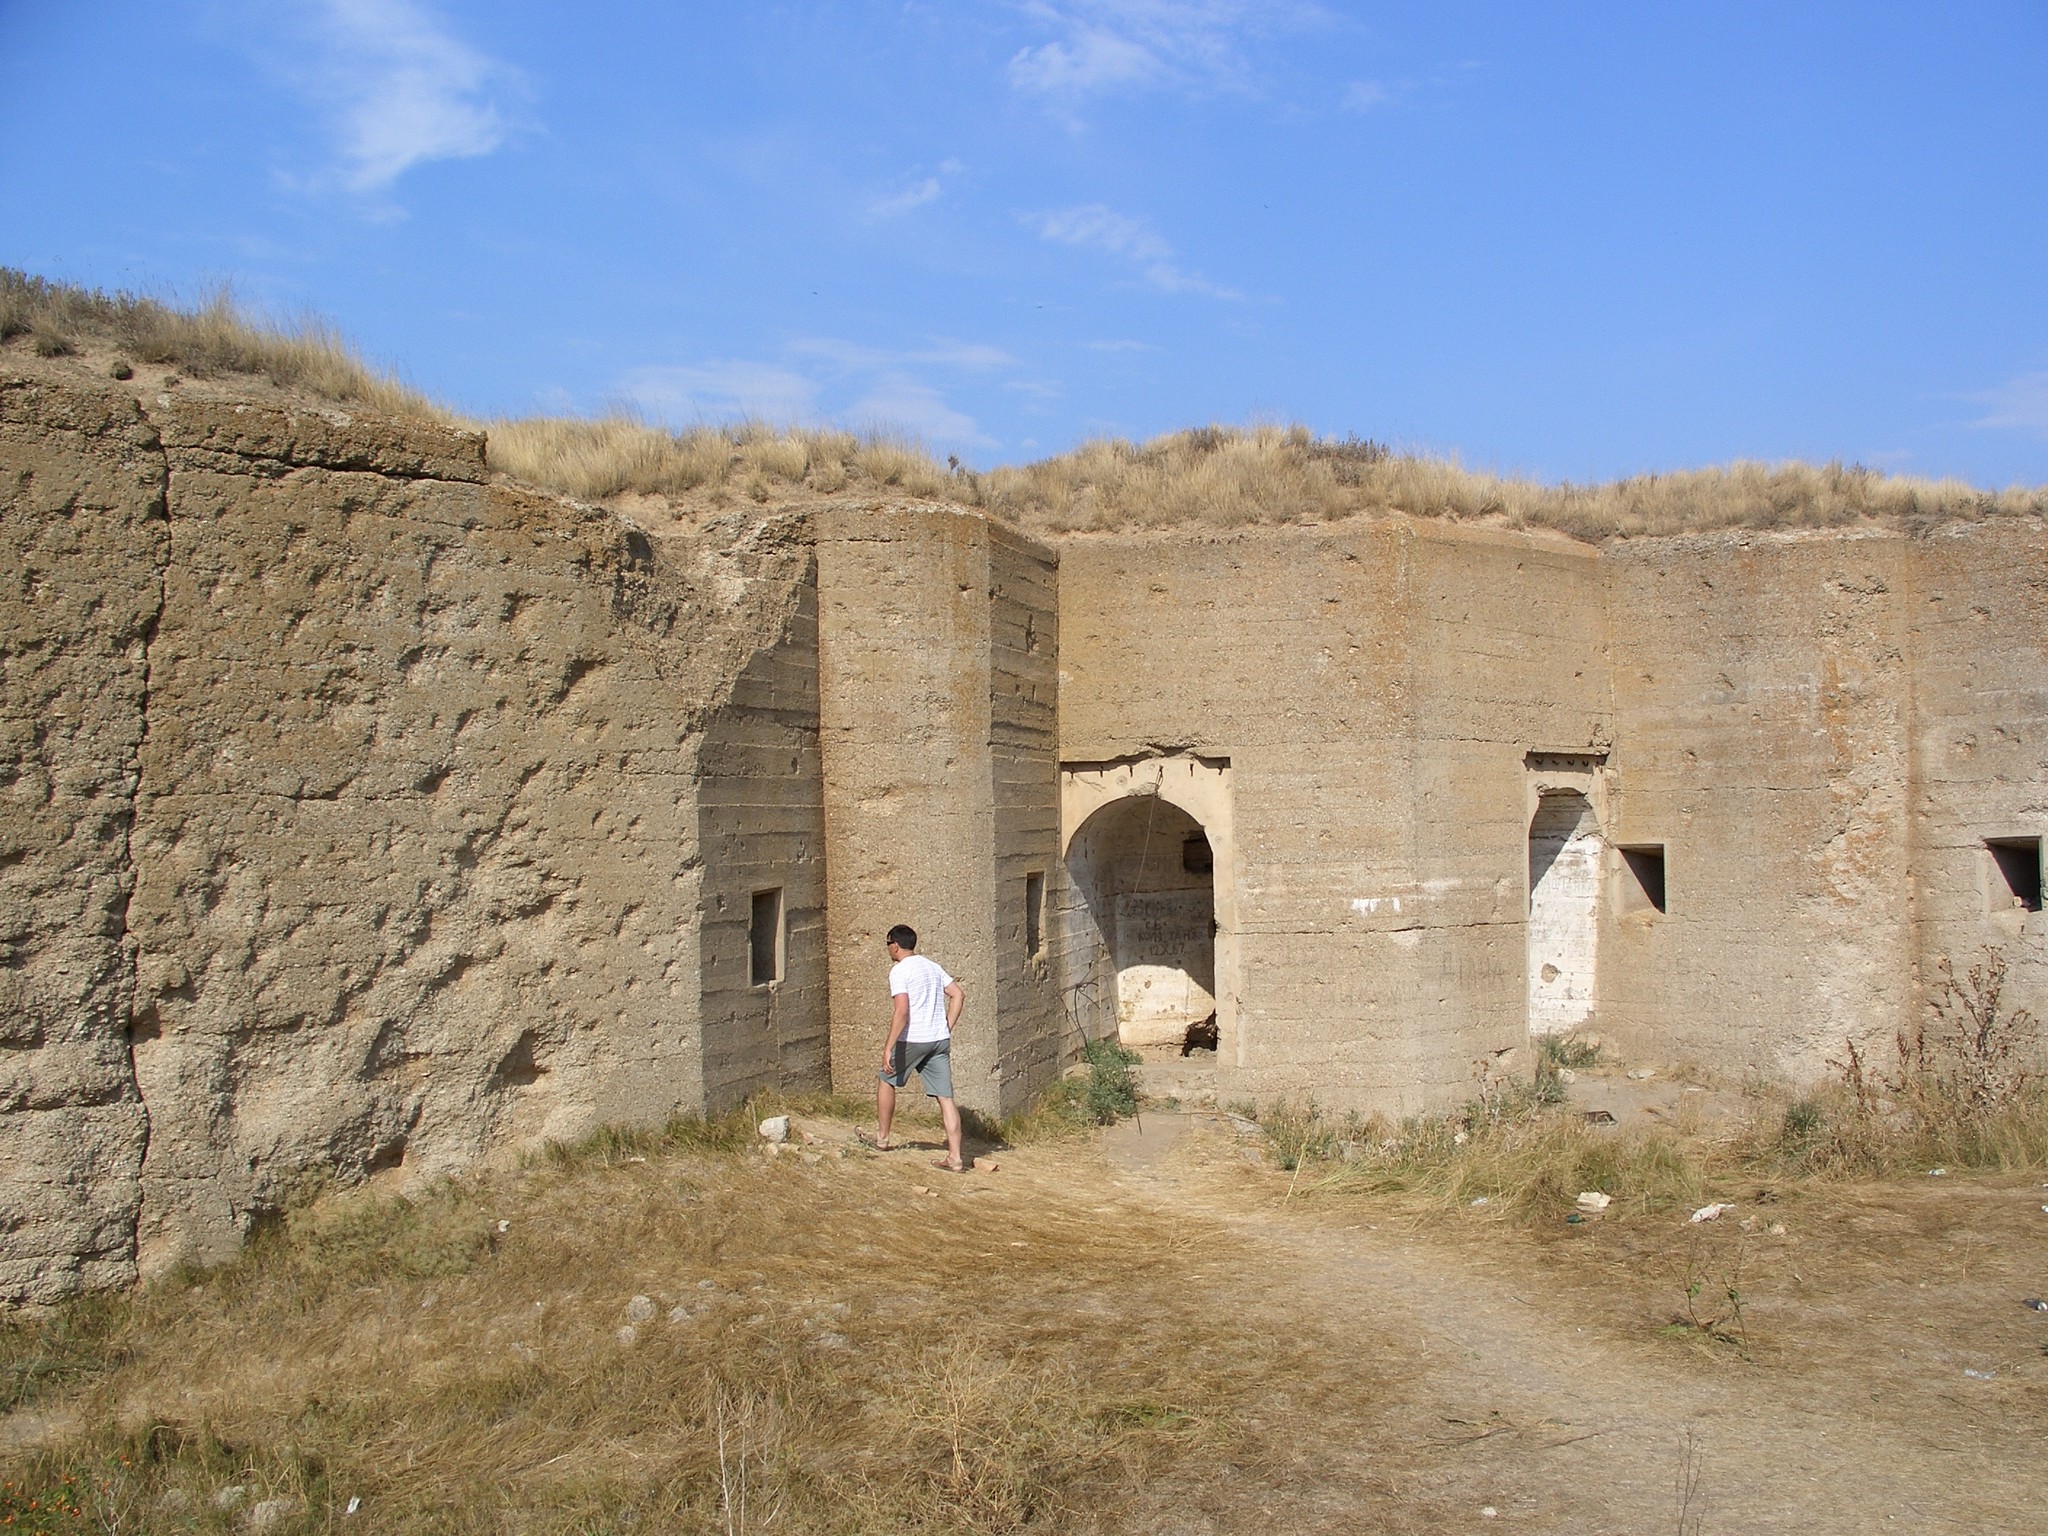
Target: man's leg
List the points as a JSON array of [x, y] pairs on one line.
[[950, 1113], [885, 1111]]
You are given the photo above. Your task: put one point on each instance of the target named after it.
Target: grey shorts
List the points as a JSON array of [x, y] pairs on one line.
[[931, 1060]]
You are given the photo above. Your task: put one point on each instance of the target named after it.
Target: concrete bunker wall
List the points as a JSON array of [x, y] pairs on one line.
[[393, 797], [1792, 752], [1375, 688], [937, 683], [1819, 734]]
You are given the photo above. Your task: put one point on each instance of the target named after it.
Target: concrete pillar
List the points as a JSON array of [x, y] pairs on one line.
[[937, 692]]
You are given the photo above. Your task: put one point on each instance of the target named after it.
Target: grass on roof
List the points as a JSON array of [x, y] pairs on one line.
[[1213, 477]]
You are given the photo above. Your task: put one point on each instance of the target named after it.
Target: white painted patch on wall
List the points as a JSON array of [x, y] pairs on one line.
[[1367, 906], [1564, 912], [1164, 944]]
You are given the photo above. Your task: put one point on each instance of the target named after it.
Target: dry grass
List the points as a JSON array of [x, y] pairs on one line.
[[1231, 477], [217, 339], [615, 455], [1528, 1159], [817, 1346], [1207, 477]]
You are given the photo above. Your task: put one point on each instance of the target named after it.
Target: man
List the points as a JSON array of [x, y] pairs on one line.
[[926, 1005]]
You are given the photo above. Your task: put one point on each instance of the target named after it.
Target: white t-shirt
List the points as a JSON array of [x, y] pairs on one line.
[[925, 985]]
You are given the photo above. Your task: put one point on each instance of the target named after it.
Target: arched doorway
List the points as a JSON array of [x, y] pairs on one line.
[[1150, 940], [1146, 872], [1564, 911]]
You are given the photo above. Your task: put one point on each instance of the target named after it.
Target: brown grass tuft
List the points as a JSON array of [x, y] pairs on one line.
[[616, 455], [217, 339], [1231, 477], [1204, 477]]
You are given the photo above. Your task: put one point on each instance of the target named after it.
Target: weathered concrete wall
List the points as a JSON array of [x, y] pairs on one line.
[[762, 827], [438, 794], [82, 553], [1761, 684], [1032, 1041], [1375, 688], [1977, 608], [360, 813], [935, 683]]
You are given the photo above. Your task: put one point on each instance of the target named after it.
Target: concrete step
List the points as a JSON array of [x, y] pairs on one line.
[[1191, 1078]]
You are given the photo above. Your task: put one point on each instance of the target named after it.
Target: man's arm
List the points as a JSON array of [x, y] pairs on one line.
[[897, 1024], [955, 1001]]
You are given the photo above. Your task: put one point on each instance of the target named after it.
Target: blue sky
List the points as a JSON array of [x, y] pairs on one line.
[[1573, 241]]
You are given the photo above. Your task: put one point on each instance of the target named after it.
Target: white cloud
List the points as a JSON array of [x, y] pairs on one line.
[[1365, 95], [401, 89], [1101, 46], [914, 194], [2020, 404], [720, 390], [1133, 240], [898, 401], [883, 388]]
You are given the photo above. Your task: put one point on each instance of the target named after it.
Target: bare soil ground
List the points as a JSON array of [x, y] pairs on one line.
[[1544, 1375], [1151, 1330]]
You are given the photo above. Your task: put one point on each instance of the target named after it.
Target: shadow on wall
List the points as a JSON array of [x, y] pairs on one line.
[[1143, 872]]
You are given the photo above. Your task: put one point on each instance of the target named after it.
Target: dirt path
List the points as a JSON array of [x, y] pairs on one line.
[[1519, 1396]]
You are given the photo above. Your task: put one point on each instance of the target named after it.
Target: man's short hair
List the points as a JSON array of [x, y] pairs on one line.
[[903, 936]]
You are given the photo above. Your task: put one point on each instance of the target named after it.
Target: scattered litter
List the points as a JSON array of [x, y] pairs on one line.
[[1642, 1074], [1574, 1219], [919, 1189], [775, 1128], [1599, 1117], [1776, 1229], [1460, 1138], [1592, 1200], [1712, 1212], [679, 1314], [2035, 1304], [1980, 1375], [986, 1166], [1937, 1173], [1748, 1223], [1482, 1200], [355, 1503], [1488, 1512], [639, 1309], [504, 1226], [1567, 1076], [628, 1334], [636, 1159]]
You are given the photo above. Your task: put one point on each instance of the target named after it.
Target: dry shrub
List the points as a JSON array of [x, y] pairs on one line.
[[1964, 1088]]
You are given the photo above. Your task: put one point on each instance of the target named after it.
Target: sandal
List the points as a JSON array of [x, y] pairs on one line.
[[945, 1167], [872, 1141]]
